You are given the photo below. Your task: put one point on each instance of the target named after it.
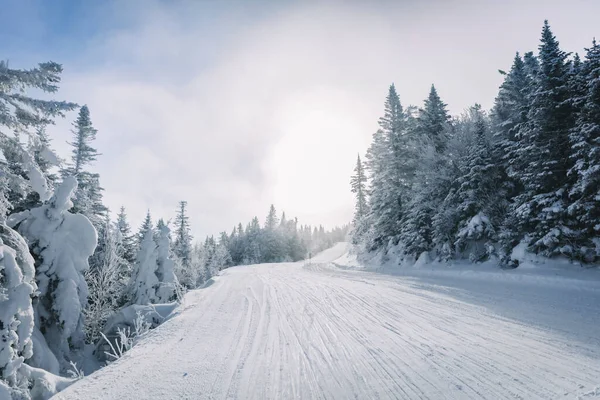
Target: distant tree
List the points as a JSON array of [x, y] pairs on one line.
[[146, 226], [127, 239], [271, 244], [183, 236]]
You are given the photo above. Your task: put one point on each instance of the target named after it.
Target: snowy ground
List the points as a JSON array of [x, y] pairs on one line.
[[296, 331]]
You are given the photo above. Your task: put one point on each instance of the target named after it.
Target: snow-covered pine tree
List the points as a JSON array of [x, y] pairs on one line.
[[358, 184], [509, 115], [167, 289], [271, 240], [61, 242], [237, 245], [294, 246], [391, 164], [376, 163], [541, 209], [21, 119], [220, 259], [480, 193], [432, 180], [88, 198], [146, 226], [183, 237], [127, 238], [107, 283], [144, 283], [433, 119], [585, 153], [432, 176], [253, 251]]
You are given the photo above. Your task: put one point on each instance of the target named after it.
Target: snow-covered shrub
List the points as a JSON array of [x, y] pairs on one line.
[[62, 243], [130, 323], [125, 337], [16, 312], [475, 237], [44, 384]]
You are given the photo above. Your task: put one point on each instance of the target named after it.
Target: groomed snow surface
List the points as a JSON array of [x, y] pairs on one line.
[[322, 331]]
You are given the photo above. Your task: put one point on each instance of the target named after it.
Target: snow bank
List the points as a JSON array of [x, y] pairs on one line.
[[45, 384], [532, 269]]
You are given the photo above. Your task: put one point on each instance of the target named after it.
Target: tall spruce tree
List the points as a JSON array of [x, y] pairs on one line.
[[358, 183], [433, 118], [271, 239], [183, 236], [388, 161], [88, 198], [585, 155], [541, 209]]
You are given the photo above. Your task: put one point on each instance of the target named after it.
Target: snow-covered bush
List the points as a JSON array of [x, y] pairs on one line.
[[125, 337], [125, 326], [62, 243], [16, 312], [475, 238]]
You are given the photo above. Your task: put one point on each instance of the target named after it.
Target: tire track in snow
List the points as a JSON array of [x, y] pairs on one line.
[[288, 332]]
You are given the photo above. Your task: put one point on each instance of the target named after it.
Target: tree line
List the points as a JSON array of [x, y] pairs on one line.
[[477, 186], [67, 268]]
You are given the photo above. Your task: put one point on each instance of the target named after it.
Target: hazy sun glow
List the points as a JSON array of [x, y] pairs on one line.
[[319, 142]]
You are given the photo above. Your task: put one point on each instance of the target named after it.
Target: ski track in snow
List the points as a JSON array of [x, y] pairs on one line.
[[296, 331]]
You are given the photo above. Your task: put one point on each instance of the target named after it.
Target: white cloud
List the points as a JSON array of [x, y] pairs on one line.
[[235, 112]]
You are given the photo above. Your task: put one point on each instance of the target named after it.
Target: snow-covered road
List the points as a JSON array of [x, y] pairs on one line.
[[295, 331]]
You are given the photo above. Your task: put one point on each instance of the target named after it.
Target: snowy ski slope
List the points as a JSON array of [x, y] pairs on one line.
[[297, 331]]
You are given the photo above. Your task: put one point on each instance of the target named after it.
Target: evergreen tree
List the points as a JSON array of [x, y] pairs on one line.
[[127, 239], [144, 282], [433, 118], [253, 253], [88, 199], [146, 226], [358, 183], [22, 117], [183, 236], [165, 270], [17, 286], [106, 283], [510, 116], [390, 163], [61, 242], [541, 209], [271, 241], [481, 198], [585, 154]]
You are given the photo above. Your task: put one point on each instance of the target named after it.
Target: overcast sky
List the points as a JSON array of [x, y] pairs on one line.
[[233, 106]]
